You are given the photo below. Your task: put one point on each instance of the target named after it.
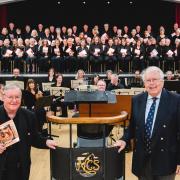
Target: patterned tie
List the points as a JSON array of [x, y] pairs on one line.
[[148, 125]]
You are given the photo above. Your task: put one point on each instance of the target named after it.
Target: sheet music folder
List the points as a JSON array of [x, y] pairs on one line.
[[90, 97]]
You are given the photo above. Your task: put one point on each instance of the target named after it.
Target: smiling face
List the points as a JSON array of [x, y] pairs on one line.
[[101, 85], [153, 83], [12, 99]]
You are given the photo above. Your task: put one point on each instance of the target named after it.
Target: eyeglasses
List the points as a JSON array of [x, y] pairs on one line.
[[152, 80], [17, 98]]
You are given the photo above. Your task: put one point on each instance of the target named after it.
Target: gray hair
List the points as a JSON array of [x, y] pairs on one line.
[[12, 86], [115, 76], [152, 69]]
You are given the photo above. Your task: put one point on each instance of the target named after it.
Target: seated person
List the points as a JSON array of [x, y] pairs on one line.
[[80, 75], [108, 76], [135, 81], [114, 84], [177, 74], [51, 78], [169, 76], [95, 79], [16, 75], [59, 101], [51, 75], [92, 135], [30, 96]]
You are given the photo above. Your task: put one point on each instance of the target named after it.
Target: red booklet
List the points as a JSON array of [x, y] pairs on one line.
[[8, 133]]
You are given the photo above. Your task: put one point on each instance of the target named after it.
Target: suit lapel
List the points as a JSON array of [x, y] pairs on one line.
[[161, 113], [141, 113]]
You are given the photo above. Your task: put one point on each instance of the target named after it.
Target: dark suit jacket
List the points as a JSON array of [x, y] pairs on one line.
[[165, 146], [28, 135]]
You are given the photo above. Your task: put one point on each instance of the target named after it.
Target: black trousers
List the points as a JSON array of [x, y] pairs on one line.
[[11, 173], [147, 174]]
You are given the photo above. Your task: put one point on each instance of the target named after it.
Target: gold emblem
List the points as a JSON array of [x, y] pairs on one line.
[[87, 165]]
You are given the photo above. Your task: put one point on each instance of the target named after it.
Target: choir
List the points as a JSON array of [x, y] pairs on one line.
[[68, 49]]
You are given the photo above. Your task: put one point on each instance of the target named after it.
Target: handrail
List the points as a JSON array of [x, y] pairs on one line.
[[89, 120]]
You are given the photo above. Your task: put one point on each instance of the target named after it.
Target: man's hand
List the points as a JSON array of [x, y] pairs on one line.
[[178, 170], [51, 144], [2, 148], [121, 144]]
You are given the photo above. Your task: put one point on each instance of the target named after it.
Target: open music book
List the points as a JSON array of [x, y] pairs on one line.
[[8, 133]]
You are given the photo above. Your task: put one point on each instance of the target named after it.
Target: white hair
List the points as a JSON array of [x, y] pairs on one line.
[[12, 86], [152, 69]]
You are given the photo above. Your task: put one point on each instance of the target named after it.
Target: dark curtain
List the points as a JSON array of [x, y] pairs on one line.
[[178, 13], [3, 16]]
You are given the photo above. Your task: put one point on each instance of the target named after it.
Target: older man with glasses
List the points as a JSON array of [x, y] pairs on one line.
[[155, 128], [15, 160]]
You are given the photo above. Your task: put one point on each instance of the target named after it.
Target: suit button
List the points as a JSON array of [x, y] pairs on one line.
[[164, 126], [162, 138], [136, 140], [162, 150]]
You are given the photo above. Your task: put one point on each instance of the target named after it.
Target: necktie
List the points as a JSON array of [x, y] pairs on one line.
[[148, 125]]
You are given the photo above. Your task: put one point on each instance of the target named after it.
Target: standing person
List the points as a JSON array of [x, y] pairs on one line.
[[15, 160], [154, 125]]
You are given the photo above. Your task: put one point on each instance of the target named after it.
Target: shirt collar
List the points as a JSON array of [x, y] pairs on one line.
[[151, 97]]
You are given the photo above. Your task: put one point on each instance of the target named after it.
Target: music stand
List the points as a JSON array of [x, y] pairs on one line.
[[76, 83], [58, 91], [43, 102], [137, 90], [90, 97], [20, 84], [87, 88], [46, 86], [123, 91], [172, 85]]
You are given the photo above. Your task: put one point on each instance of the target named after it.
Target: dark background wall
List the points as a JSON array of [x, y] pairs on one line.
[[71, 12]]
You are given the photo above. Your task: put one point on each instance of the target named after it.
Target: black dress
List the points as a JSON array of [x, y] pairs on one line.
[[57, 102]]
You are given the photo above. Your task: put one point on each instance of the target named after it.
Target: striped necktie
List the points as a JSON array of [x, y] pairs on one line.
[[148, 125]]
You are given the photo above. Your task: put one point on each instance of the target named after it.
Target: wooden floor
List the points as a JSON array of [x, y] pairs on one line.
[[40, 169]]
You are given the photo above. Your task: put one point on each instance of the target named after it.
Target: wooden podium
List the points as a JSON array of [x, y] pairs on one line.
[[106, 110], [101, 163]]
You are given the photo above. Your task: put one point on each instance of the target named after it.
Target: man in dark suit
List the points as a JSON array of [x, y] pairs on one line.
[[155, 128], [16, 75], [15, 160]]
